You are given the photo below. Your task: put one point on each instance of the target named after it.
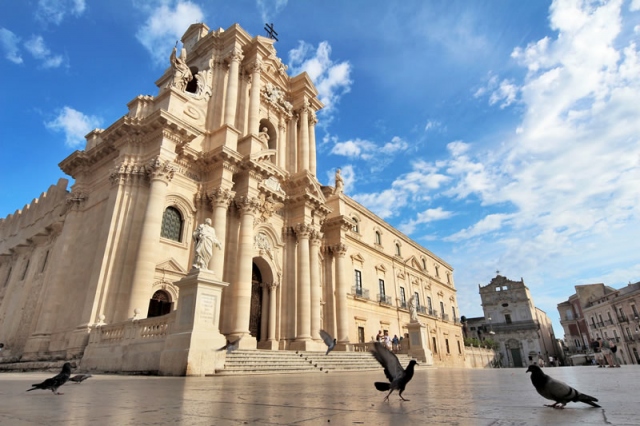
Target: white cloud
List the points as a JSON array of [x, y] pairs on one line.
[[331, 79], [427, 216], [167, 22], [35, 45], [74, 124], [54, 11], [432, 125], [9, 43], [270, 8], [395, 145], [354, 148], [490, 223], [385, 203]]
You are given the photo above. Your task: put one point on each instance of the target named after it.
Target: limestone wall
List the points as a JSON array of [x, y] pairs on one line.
[[479, 357]]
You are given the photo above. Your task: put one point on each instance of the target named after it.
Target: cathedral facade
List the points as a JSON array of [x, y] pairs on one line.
[[230, 137]]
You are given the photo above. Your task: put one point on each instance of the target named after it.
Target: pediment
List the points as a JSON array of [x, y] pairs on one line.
[[357, 257], [170, 265], [381, 268]]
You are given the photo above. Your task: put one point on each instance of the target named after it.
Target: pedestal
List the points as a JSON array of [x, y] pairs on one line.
[[419, 343], [191, 347]]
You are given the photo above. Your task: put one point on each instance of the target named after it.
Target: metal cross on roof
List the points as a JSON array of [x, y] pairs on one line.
[[271, 33]]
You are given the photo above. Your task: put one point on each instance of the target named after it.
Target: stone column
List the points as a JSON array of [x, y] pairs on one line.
[[231, 102], [316, 241], [342, 288], [241, 289], [220, 200], [282, 137], [312, 143], [160, 174], [254, 98], [272, 311], [303, 143], [303, 232]]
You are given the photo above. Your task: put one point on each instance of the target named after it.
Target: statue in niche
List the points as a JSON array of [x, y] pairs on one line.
[[181, 72], [205, 239], [264, 137], [413, 311], [339, 183]]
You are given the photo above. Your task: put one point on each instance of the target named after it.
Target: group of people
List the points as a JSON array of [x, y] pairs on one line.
[[605, 352], [393, 344]]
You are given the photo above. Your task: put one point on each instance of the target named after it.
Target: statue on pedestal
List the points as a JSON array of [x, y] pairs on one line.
[[339, 183], [204, 238], [413, 311]]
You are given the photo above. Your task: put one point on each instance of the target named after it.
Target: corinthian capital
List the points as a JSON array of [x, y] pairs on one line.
[[235, 56], [221, 197], [339, 249], [160, 170], [303, 230], [248, 205]]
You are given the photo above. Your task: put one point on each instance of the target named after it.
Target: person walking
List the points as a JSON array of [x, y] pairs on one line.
[[614, 349], [394, 343]]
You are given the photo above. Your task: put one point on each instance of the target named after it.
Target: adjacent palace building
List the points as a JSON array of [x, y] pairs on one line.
[[230, 137]]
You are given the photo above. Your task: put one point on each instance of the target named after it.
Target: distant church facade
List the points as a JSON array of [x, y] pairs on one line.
[[229, 137]]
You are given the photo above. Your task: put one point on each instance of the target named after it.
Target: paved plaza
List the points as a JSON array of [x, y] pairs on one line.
[[437, 396]]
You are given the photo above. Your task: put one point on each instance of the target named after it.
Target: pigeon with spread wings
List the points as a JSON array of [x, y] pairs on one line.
[[328, 340], [398, 376], [557, 391], [231, 346], [54, 382]]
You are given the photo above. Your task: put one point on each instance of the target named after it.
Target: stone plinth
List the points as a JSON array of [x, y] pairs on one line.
[[191, 347], [419, 343]]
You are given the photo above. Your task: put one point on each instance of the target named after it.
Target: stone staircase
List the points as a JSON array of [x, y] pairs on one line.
[[241, 362]]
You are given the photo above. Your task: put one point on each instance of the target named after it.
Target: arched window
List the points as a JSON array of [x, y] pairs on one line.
[[356, 225], [398, 252], [160, 304], [172, 224], [424, 264], [378, 238]]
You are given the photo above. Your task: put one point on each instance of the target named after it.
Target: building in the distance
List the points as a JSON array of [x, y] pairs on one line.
[[230, 137], [597, 310], [524, 333]]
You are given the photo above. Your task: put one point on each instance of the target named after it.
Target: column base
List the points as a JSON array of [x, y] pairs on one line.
[[308, 345], [270, 345]]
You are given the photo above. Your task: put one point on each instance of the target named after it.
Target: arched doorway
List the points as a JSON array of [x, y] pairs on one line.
[[255, 318], [160, 304]]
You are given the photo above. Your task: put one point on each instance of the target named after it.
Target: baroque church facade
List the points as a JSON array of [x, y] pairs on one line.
[[229, 137]]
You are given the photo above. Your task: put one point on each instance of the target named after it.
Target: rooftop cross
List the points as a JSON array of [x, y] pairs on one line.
[[271, 33]]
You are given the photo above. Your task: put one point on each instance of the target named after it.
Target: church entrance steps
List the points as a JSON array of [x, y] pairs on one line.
[[35, 366], [242, 362]]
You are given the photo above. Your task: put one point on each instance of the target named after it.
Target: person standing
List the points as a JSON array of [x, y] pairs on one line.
[[614, 349], [394, 342]]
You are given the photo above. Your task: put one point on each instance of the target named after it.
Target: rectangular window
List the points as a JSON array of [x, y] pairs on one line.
[[453, 311], [358, 281], [403, 297], [381, 286], [417, 296], [635, 311], [507, 318], [429, 306], [446, 342], [442, 309], [361, 334], [435, 347], [459, 348]]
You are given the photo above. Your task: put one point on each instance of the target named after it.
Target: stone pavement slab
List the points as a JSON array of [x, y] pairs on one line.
[[437, 397]]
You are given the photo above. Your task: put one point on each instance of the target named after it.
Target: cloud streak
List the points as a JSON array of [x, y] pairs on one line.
[[74, 124]]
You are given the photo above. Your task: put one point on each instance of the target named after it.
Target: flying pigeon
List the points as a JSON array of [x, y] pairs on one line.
[[328, 340], [55, 382], [231, 346], [557, 391], [398, 377], [79, 378]]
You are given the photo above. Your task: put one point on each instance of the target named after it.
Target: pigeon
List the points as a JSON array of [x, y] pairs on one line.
[[79, 378], [55, 382], [557, 391], [328, 340], [398, 377], [231, 346]]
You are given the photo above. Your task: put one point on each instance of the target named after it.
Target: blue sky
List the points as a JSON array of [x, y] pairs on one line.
[[501, 135]]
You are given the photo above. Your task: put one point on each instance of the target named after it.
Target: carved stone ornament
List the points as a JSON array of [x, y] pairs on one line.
[[339, 249], [274, 95], [221, 197], [268, 206], [248, 205], [158, 169], [303, 230]]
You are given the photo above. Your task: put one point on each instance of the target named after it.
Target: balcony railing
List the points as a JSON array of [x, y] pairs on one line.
[[600, 324], [516, 325], [445, 317], [360, 292], [421, 309], [385, 300], [628, 338], [433, 313], [456, 320], [622, 318], [608, 322], [403, 305]]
